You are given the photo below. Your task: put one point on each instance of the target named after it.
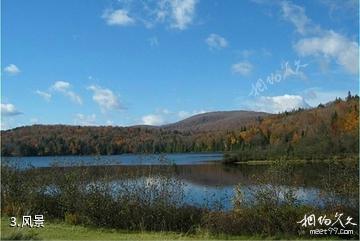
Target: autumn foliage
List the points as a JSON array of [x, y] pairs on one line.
[[330, 129]]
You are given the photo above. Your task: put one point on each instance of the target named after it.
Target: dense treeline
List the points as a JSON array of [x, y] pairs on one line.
[[330, 129], [326, 131], [76, 140]]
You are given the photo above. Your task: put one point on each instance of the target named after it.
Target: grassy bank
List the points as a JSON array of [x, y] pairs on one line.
[[62, 231], [351, 159], [240, 158]]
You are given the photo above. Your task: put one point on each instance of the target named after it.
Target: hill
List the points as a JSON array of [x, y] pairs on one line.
[[321, 132], [184, 136], [219, 120]]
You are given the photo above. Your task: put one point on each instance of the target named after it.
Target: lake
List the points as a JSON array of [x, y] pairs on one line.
[[125, 159], [203, 177]]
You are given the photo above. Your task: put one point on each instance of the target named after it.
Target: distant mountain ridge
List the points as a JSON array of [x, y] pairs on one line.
[[209, 121], [321, 132], [217, 120], [182, 136]]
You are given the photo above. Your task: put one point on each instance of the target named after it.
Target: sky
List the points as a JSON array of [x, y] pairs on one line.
[[127, 62]]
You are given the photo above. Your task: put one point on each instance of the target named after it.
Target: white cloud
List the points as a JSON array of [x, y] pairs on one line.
[[183, 12], [178, 14], [64, 88], [331, 45], [242, 68], [43, 94], [74, 97], [164, 116], [61, 86], [160, 117], [216, 41], [85, 120], [276, 104], [342, 9], [327, 44], [296, 15], [153, 119], [105, 98], [109, 123], [12, 69], [316, 96], [185, 114], [117, 17], [9, 110]]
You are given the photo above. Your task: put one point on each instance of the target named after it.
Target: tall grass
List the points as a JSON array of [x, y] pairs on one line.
[[152, 199]]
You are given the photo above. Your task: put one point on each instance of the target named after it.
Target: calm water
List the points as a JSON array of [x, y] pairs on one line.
[[125, 159], [203, 177]]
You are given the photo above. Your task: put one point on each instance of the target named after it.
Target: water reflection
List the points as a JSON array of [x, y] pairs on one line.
[[204, 181], [123, 160], [212, 185]]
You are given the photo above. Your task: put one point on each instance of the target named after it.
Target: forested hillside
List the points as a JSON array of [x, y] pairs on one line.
[[330, 129], [216, 121], [322, 132], [189, 135]]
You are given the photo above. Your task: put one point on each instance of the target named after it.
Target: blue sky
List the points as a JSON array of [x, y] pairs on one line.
[[92, 62]]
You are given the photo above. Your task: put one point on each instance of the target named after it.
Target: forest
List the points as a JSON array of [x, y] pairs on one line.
[[327, 130]]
